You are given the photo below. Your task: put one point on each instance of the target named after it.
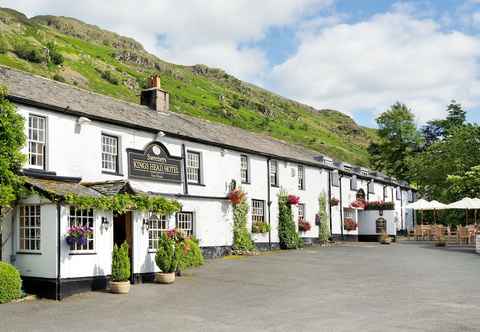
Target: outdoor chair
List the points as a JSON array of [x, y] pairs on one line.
[[452, 234], [463, 235]]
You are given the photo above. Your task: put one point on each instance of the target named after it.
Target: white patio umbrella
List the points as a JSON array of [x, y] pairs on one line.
[[420, 205], [466, 204], [435, 206]]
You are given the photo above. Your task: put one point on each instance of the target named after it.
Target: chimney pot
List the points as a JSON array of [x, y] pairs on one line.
[[154, 97]]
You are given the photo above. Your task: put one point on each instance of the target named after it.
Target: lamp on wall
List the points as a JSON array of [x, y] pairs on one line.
[[105, 222], [159, 136]]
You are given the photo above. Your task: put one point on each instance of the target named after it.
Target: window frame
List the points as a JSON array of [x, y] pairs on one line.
[[27, 229], [161, 219], [246, 179], [301, 179], [198, 171], [117, 156], [302, 207], [335, 179], [75, 249], [398, 194], [177, 221], [31, 141], [354, 183], [255, 216], [371, 185], [274, 175]]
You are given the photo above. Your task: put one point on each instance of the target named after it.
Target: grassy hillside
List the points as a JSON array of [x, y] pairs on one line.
[[110, 64]]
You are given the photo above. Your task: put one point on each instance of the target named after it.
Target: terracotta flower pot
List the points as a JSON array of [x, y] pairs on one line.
[[165, 278], [120, 287]]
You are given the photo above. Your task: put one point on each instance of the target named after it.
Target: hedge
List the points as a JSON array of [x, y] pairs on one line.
[[10, 283]]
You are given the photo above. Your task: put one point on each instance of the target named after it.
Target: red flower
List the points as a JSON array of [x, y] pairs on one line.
[[334, 201], [293, 200], [236, 196], [349, 224], [304, 226]]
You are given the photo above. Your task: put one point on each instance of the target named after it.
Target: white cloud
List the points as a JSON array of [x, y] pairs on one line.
[[367, 66], [192, 31]]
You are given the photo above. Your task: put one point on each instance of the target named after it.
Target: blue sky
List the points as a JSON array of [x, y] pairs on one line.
[[356, 56]]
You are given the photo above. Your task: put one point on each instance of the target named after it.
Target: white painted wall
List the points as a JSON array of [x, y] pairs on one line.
[[367, 222]]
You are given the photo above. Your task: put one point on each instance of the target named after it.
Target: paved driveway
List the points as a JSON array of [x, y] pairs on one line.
[[357, 287]]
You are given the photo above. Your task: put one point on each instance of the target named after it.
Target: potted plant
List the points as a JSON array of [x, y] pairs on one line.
[[384, 238], [293, 199], [349, 224], [334, 201], [166, 259], [120, 283], [260, 227], [441, 241], [304, 226]]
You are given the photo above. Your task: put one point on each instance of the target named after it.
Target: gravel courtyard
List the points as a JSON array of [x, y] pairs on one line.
[[349, 287]]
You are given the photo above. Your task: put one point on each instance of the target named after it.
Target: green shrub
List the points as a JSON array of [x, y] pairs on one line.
[[59, 78], [191, 254], [241, 238], [55, 57], [167, 254], [260, 227], [324, 232], [3, 46], [110, 77], [29, 53], [287, 233], [10, 283], [120, 263]]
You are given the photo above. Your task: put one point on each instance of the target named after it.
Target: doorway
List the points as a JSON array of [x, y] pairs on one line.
[[123, 231]]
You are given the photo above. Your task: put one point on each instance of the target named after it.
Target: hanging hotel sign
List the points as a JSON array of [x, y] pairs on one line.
[[154, 163]]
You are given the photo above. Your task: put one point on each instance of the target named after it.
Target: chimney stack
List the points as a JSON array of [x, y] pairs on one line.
[[154, 97]]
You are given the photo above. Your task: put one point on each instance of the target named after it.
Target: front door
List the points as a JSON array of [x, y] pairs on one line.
[[123, 231]]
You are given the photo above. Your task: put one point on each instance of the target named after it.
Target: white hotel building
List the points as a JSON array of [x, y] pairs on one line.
[[85, 143]]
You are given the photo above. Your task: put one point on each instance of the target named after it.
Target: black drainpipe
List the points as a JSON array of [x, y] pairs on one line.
[[401, 208], [185, 181], [59, 288], [269, 203], [328, 200], [341, 207]]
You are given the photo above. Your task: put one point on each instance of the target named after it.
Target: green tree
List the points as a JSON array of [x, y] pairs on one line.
[[398, 142], [12, 139], [452, 156], [287, 233], [466, 185], [120, 263], [436, 130]]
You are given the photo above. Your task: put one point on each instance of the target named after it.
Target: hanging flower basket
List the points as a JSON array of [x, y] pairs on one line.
[[78, 235], [293, 200], [304, 226], [349, 224], [334, 201], [359, 204], [236, 196]]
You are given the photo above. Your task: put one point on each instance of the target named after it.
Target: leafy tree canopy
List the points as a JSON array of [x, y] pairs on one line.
[[438, 129], [12, 139], [399, 139]]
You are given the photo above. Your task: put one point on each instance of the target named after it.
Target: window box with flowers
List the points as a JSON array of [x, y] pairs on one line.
[[78, 235], [349, 224], [380, 205], [334, 201], [304, 226], [259, 227]]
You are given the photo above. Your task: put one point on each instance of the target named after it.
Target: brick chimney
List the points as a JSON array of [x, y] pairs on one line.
[[154, 97]]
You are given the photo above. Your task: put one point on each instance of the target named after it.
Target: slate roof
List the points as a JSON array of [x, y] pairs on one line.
[[60, 188], [38, 91], [110, 188]]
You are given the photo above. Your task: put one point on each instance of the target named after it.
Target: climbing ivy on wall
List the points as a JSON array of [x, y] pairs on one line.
[[241, 237], [121, 203], [12, 139], [287, 233], [324, 231]]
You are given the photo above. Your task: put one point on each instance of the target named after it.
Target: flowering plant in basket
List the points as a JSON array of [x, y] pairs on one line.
[[334, 201], [78, 235], [349, 224], [359, 204], [304, 226], [236, 196], [293, 200]]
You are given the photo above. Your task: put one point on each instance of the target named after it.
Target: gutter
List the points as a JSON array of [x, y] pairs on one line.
[[341, 207], [269, 203], [59, 287]]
